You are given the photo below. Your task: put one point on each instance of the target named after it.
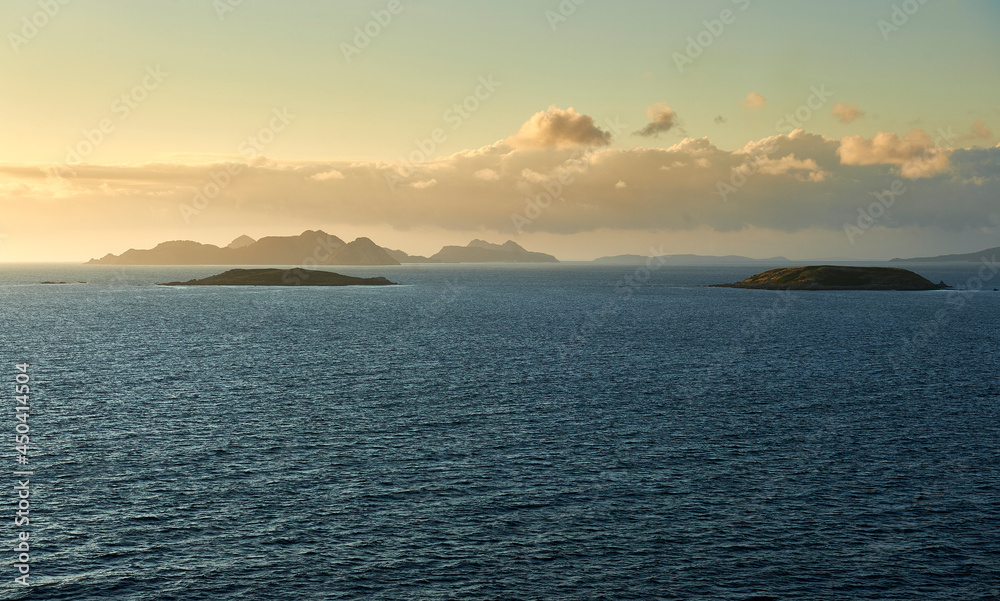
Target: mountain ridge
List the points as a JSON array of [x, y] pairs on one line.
[[480, 251], [837, 277], [968, 257], [314, 247]]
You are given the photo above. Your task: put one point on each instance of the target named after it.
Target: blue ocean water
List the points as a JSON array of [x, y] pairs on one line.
[[493, 432]]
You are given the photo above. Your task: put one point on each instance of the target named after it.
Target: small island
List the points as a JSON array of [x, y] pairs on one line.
[[834, 277], [282, 277]]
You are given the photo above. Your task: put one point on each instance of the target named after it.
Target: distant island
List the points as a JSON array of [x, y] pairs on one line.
[[833, 277], [282, 277], [479, 251], [315, 248], [989, 254], [685, 260], [310, 247]]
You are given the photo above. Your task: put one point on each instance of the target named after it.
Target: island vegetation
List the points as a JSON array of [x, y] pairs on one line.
[[282, 277], [834, 277]]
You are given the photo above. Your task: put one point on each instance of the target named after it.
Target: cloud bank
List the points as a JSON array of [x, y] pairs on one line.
[[556, 175]]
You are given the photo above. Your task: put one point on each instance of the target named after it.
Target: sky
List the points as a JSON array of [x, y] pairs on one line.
[[857, 129]]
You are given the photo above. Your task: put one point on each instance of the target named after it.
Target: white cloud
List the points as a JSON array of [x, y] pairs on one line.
[[916, 154], [487, 175], [558, 128], [810, 170], [328, 175], [754, 101], [846, 113]]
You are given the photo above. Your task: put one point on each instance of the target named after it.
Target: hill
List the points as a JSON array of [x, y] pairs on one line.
[[306, 248], [833, 277], [282, 277], [988, 254], [479, 251], [685, 260]]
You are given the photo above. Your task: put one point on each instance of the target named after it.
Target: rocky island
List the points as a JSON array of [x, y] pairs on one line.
[[319, 246], [834, 277], [282, 277], [480, 251]]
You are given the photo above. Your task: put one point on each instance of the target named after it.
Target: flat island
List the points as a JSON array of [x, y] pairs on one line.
[[834, 277], [282, 277]]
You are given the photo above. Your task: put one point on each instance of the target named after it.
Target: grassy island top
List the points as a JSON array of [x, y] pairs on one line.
[[834, 277], [282, 277]]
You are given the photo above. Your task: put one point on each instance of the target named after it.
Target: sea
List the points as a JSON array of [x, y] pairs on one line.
[[493, 432]]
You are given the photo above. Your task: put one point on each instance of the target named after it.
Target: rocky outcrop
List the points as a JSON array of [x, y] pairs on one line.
[[308, 248], [282, 277], [833, 277], [479, 251], [361, 252]]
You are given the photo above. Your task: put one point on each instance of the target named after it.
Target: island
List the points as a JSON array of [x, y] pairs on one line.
[[317, 245], [282, 277], [835, 277], [323, 248], [988, 255], [687, 260], [480, 251]]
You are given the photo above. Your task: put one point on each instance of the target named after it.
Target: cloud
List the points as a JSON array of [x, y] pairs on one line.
[[558, 128], [916, 154], [789, 182], [978, 131], [661, 120], [487, 175], [754, 101], [720, 120], [847, 113], [328, 175]]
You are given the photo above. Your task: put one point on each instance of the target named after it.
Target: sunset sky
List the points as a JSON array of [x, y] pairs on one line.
[[863, 129]]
